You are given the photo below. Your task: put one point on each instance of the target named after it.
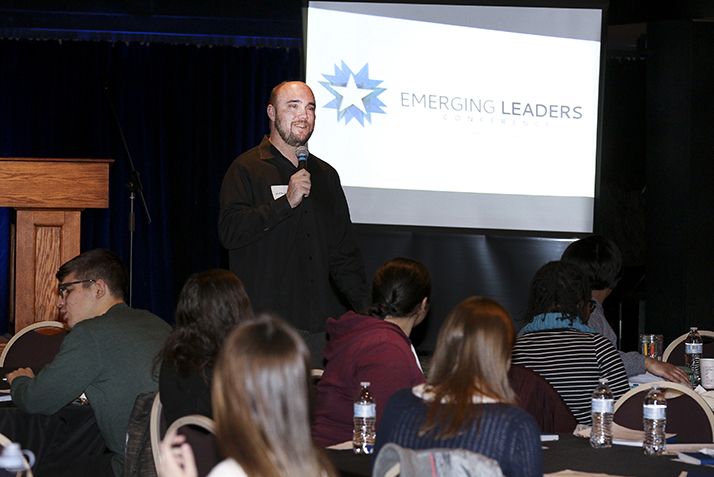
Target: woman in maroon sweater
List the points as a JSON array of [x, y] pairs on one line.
[[374, 348]]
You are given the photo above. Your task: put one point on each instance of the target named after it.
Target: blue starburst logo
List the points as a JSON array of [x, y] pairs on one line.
[[355, 94]]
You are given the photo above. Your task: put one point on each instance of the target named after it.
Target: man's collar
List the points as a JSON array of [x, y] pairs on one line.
[[267, 150]]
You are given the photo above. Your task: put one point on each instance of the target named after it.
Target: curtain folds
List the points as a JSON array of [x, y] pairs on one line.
[[187, 111]]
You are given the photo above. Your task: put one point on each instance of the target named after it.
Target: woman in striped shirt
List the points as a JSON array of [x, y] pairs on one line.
[[558, 344]]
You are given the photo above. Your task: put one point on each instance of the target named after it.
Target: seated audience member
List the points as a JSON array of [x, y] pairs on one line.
[[108, 355], [467, 402], [374, 348], [211, 304], [600, 260], [261, 408], [558, 344]]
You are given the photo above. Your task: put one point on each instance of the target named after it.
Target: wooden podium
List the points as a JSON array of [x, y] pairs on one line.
[[48, 195]]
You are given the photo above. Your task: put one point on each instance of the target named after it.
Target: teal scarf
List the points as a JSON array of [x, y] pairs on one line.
[[555, 321]]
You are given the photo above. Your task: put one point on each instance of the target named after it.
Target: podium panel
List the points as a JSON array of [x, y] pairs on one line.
[[45, 240], [48, 195]]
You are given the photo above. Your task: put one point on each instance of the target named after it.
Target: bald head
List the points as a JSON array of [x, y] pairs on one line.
[[292, 116]]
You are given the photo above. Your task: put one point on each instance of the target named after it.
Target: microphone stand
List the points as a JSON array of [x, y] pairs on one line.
[[134, 186]]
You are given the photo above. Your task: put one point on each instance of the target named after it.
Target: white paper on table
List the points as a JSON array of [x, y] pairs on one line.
[[643, 378], [342, 446], [708, 396], [620, 435], [674, 449], [576, 473]]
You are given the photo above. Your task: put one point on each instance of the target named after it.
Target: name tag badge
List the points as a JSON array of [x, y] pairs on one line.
[[279, 191]]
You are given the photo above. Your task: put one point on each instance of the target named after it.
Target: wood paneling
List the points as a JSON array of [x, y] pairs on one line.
[[54, 183], [48, 195]]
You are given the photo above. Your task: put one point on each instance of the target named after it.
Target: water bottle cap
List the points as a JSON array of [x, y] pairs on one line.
[[364, 384], [604, 381], [693, 328]]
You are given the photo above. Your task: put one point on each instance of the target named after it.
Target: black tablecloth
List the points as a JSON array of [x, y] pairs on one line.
[[68, 434], [575, 453], [350, 464], [569, 452]]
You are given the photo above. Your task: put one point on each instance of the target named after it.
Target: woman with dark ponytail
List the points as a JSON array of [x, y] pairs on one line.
[[374, 348]]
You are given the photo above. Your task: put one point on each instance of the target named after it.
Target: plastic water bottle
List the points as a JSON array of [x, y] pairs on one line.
[[693, 353], [602, 408], [365, 417], [654, 415]]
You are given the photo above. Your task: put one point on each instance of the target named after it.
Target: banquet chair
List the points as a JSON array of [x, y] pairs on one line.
[[688, 414], [139, 456], [539, 398], [34, 346], [674, 353], [200, 432], [394, 460], [5, 441], [315, 377], [157, 429]]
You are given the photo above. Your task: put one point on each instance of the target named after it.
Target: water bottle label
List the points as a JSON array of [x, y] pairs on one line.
[[654, 411], [693, 348], [365, 410], [603, 405]]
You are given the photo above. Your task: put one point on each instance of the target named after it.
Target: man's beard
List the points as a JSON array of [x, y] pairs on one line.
[[288, 136]]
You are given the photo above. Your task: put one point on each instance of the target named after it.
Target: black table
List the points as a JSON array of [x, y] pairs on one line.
[[575, 453], [350, 464], [569, 452], [68, 434]]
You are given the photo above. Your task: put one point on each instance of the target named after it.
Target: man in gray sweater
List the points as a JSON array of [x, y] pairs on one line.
[[601, 261], [108, 355]]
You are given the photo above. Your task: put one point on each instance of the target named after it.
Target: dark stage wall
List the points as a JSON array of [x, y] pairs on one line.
[[188, 111], [680, 174]]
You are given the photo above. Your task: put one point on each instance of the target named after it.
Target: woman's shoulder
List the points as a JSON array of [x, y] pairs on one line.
[[402, 401], [513, 415], [228, 468], [406, 396]]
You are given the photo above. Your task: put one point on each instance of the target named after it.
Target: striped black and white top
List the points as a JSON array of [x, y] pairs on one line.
[[572, 362]]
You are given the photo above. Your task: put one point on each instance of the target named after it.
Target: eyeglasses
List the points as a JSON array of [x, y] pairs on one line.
[[62, 287], [593, 305]]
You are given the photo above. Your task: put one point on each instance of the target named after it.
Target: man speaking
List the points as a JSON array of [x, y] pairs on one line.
[[287, 227]]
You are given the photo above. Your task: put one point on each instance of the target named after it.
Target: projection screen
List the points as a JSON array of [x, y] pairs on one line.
[[459, 116]]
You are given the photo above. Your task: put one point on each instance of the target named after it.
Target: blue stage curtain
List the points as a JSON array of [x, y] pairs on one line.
[[187, 111]]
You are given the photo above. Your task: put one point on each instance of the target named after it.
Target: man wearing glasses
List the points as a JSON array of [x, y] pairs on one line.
[[108, 355]]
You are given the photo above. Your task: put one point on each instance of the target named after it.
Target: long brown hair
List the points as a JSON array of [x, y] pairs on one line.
[[260, 402], [472, 357], [210, 305]]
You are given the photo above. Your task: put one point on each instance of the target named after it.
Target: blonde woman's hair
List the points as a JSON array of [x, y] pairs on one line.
[[472, 358], [260, 402]]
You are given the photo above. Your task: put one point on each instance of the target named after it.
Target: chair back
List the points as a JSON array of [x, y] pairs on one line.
[[200, 432], [34, 346], [394, 460], [139, 456], [688, 414], [674, 353], [157, 429], [539, 398]]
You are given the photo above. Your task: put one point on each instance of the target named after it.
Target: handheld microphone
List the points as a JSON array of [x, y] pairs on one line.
[[302, 153]]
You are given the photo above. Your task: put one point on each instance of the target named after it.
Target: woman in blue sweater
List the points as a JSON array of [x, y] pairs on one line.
[[467, 402]]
